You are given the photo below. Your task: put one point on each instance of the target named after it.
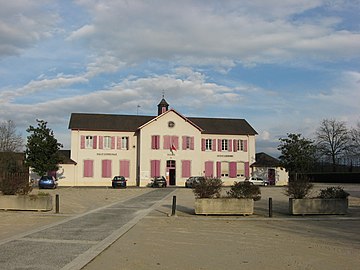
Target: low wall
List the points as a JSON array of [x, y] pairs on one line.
[[26, 202]]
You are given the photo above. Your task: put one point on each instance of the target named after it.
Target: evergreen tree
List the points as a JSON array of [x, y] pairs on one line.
[[297, 153], [42, 149]]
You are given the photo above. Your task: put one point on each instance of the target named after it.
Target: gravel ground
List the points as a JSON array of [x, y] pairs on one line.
[[187, 241]]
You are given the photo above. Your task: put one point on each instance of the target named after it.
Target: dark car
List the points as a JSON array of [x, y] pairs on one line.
[[191, 181], [118, 181], [47, 182], [158, 182]]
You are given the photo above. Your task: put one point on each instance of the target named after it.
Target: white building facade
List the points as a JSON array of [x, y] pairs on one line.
[[169, 144]]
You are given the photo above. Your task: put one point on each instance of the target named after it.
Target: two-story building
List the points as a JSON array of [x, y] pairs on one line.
[[169, 144]]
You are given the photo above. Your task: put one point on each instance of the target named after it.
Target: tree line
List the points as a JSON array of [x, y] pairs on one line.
[[333, 143], [41, 153]]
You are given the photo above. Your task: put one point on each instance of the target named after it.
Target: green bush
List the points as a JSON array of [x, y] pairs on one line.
[[333, 193], [299, 188], [244, 190], [15, 183], [208, 188]]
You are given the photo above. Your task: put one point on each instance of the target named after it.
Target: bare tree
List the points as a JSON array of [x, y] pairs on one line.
[[333, 138], [355, 140], [10, 141]]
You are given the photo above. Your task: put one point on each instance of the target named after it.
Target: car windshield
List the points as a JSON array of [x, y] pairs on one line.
[[119, 178]]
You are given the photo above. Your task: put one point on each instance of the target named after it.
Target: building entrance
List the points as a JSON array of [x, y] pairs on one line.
[[171, 171]]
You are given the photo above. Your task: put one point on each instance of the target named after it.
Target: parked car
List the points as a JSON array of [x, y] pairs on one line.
[[258, 181], [47, 182], [118, 181], [191, 181], [158, 182]]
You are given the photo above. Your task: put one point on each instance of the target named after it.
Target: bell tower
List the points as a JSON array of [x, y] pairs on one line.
[[163, 106]]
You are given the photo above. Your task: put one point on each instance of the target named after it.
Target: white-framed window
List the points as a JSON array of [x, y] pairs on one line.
[[107, 142], [224, 169], [89, 142], [224, 145], [208, 144], [187, 142], [241, 145], [124, 142]]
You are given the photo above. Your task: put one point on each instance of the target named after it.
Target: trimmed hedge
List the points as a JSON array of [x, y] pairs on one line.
[[335, 177]]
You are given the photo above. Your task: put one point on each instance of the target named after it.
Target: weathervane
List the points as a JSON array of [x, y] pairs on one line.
[[137, 109]]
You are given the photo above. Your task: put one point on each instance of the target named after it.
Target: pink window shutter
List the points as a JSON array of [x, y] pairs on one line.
[[235, 145], [88, 168], [103, 168], [232, 170], [94, 142], [209, 169], [191, 143], [157, 141], [245, 146], [101, 142], [203, 144], [113, 142], [219, 145], [155, 168], [153, 142], [82, 142], [247, 169], [125, 168], [152, 168], [91, 168], [183, 142], [230, 145], [218, 169], [166, 142], [186, 168], [214, 145]]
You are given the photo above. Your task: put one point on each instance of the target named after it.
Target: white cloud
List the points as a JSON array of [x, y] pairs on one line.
[[23, 23], [213, 33], [40, 86]]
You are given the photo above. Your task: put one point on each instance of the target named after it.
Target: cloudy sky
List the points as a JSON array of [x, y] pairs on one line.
[[282, 65]]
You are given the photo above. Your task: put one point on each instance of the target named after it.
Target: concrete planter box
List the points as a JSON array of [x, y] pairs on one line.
[[26, 202], [224, 206], [318, 206]]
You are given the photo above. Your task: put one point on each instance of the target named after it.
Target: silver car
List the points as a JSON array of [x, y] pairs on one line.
[[258, 181]]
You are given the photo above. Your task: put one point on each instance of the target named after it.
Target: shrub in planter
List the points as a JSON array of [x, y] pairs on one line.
[[299, 188], [333, 193], [244, 190], [208, 188], [15, 183]]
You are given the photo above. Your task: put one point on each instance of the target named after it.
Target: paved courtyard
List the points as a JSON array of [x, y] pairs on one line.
[[186, 241]]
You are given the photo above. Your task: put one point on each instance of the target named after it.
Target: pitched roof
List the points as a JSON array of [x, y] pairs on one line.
[[180, 115], [107, 122], [224, 126], [65, 157], [264, 160], [130, 123]]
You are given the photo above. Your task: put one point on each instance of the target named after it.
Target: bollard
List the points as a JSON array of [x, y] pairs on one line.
[[57, 204], [270, 207], [173, 209]]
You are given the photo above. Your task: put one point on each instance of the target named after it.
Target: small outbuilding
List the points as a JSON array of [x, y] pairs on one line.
[[269, 168]]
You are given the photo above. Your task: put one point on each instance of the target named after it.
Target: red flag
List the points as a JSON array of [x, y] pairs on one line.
[[172, 149]]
